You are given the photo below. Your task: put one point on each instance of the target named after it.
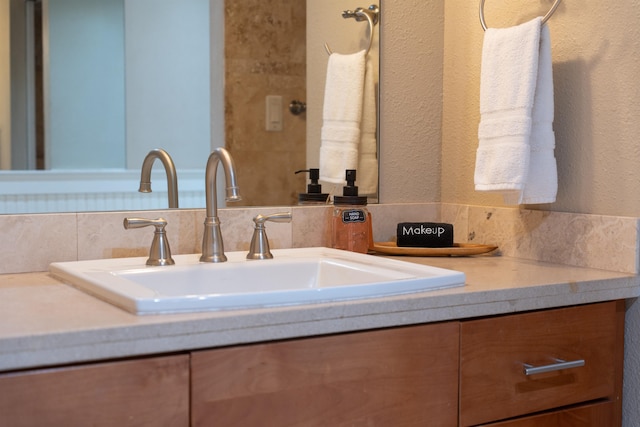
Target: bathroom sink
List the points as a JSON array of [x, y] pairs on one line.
[[294, 276]]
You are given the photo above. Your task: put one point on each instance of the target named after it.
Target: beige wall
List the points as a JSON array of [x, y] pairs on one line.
[[411, 37], [596, 65], [596, 55]]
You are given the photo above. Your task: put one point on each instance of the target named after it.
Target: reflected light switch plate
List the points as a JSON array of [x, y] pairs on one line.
[[274, 113]]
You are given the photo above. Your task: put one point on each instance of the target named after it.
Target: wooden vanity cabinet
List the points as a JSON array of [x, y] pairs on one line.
[[142, 392], [495, 350], [458, 373], [405, 376]]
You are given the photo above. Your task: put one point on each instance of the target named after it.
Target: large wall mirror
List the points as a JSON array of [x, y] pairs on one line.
[[89, 87]]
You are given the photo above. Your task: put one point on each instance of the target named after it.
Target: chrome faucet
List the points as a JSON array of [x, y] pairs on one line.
[[212, 245], [160, 252], [170, 169], [259, 247]]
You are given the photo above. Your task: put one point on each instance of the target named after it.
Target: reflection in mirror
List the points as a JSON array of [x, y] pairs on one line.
[[335, 26], [265, 56], [68, 112], [85, 53]]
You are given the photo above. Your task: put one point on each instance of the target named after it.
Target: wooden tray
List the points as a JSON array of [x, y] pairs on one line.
[[458, 249]]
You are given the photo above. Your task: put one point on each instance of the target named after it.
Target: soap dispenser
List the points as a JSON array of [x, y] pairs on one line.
[[351, 221], [314, 194]]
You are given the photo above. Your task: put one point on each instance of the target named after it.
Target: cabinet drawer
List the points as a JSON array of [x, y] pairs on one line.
[[394, 377], [143, 392], [494, 352], [594, 415]]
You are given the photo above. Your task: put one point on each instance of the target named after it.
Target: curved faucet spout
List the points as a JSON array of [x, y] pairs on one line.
[[170, 170], [212, 244]]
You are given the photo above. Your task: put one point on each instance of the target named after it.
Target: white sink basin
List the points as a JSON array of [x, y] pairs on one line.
[[294, 276]]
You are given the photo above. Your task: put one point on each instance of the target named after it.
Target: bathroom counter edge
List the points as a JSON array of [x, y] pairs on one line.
[[44, 322]]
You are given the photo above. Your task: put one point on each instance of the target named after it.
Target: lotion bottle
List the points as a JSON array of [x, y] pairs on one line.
[[351, 221]]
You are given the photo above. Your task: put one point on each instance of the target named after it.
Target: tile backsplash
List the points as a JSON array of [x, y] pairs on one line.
[[31, 242]]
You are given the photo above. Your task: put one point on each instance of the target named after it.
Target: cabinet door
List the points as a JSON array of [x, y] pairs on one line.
[[595, 415], [145, 392], [494, 352], [394, 377]]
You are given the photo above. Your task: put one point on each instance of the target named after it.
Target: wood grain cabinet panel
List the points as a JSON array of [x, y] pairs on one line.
[[593, 415], [397, 377], [464, 373], [493, 385], [145, 392]]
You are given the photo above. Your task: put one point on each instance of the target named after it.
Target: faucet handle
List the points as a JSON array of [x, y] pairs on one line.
[[160, 253], [259, 247]]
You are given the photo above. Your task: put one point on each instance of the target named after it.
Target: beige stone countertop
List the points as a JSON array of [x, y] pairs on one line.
[[44, 322]]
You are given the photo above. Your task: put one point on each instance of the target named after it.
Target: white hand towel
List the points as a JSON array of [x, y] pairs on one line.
[[367, 179], [341, 115], [516, 141]]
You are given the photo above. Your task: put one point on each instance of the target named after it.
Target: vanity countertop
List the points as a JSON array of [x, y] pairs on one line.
[[44, 322]]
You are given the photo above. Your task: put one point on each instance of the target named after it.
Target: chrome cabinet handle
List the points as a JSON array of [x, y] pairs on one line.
[[560, 364]]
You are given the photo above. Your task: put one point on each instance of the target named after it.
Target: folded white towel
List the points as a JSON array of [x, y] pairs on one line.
[[516, 141], [342, 112], [367, 180]]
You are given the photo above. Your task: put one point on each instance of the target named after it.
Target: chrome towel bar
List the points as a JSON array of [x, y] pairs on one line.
[[546, 17]]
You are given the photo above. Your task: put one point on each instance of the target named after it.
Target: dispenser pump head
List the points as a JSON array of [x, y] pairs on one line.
[[314, 175], [350, 191], [314, 189]]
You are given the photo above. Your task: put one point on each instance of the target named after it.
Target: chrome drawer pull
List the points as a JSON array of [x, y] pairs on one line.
[[560, 364]]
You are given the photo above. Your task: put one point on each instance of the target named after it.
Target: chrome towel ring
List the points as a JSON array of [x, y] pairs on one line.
[[544, 19], [360, 14]]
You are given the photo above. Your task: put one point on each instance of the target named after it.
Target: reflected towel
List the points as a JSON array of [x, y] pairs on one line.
[[368, 149], [516, 141], [342, 112]]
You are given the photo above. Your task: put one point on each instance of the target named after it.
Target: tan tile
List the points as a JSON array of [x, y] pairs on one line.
[[458, 216], [311, 226], [102, 234], [237, 228], [596, 241], [31, 242]]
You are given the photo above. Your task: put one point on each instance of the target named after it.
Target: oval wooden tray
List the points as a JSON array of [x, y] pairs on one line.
[[458, 249]]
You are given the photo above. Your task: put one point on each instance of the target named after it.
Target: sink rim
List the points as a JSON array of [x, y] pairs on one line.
[[135, 298]]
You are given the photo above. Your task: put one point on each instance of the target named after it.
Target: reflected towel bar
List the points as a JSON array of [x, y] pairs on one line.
[[360, 14]]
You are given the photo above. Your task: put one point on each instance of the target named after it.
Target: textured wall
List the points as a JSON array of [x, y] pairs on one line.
[[265, 55], [596, 64], [411, 37]]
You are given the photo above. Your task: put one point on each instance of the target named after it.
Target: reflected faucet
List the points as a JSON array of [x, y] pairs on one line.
[[170, 169], [212, 245]]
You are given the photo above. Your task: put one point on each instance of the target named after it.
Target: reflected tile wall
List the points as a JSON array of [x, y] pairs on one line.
[[265, 54]]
